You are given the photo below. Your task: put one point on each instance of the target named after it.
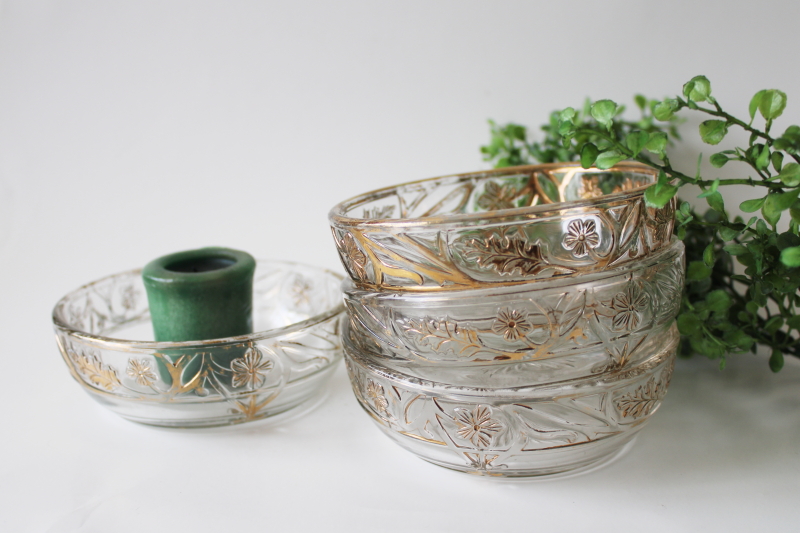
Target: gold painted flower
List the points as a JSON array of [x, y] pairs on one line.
[[628, 306], [581, 236], [375, 394], [496, 197], [141, 371], [512, 324], [477, 426], [250, 370]]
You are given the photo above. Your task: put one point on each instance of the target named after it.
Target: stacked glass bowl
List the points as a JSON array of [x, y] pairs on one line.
[[513, 322]]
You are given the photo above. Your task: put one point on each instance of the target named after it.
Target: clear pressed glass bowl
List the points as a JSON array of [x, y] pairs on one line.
[[503, 226], [587, 323], [105, 336], [542, 429]]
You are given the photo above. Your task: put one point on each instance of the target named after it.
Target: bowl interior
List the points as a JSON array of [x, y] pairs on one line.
[[495, 190], [284, 294]]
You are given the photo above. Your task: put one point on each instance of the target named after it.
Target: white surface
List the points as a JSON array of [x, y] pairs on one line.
[[130, 130]]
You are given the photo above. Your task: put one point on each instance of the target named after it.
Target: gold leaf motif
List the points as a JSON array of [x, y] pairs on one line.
[[442, 336], [505, 255], [95, 371], [645, 398], [355, 258], [497, 197]]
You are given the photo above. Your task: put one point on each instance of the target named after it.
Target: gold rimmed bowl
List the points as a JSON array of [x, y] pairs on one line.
[[504, 226], [104, 333]]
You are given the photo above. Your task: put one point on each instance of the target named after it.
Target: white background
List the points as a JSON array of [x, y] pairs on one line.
[[133, 129]]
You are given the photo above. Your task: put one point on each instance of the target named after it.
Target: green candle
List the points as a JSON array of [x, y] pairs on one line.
[[200, 294]]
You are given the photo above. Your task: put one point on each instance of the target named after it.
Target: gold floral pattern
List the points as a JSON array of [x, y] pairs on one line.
[[629, 306], [141, 371], [497, 197], [250, 370], [512, 324], [581, 237], [477, 426], [376, 396]]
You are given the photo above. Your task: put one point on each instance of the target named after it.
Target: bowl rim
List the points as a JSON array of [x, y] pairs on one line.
[[338, 214], [440, 389], [112, 343], [522, 289]]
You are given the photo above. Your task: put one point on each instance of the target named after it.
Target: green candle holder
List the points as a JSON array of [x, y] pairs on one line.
[[198, 295]]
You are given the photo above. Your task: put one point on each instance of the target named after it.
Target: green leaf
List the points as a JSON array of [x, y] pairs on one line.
[[773, 324], [697, 270], [715, 201], [751, 206], [794, 322], [708, 255], [641, 101], [776, 360], [589, 154], [754, 102], [657, 195], [777, 161], [713, 131], [790, 174], [609, 158], [718, 160], [603, 111], [636, 140], [772, 103], [791, 256], [657, 142], [718, 301], [735, 249], [789, 141], [763, 158], [688, 324], [665, 111], [776, 203], [698, 89]]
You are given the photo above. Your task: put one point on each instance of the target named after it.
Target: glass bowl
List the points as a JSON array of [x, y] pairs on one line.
[[598, 320], [503, 226], [535, 430], [105, 336]]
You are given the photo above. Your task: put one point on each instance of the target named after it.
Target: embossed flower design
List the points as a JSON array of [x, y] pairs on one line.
[[141, 371], [353, 255], [512, 324], [496, 197], [628, 306], [477, 426], [581, 237], [376, 396], [250, 370]]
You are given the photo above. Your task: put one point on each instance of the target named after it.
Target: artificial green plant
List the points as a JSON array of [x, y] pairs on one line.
[[725, 308]]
